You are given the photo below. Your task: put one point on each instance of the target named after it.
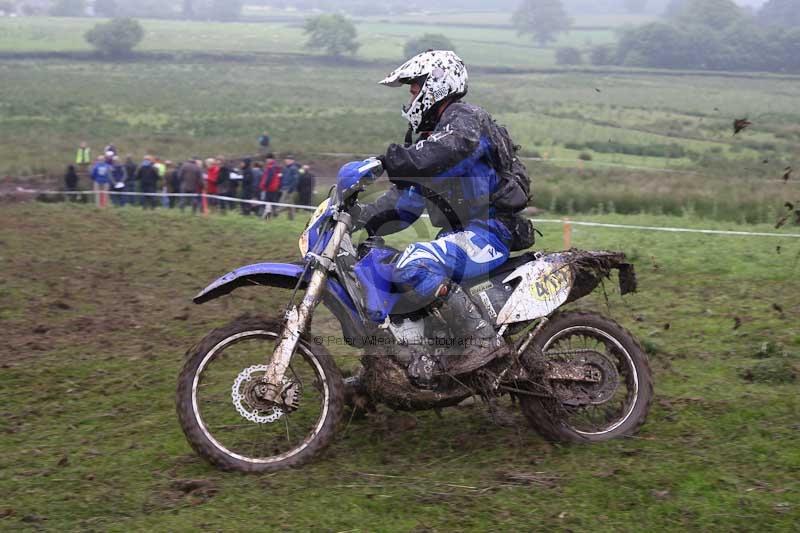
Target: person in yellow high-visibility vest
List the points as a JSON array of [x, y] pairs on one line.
[[161, 169], [83, 158]]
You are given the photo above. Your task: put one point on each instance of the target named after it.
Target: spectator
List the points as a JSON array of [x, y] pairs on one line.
[[258, 174], [101, 174], [147, 176], [118, 179], [263, 143], [248, 180], [97, 159], [174, 180], [223, 181], [234, 179], [110, 148], [129, 189], [305, 186], [271, 184], [212, 178], [83, 158], [289, 177], [161, 168], [71, 182], [130, 184], [191, 177]]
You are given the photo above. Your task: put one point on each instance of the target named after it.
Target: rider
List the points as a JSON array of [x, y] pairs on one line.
[[464, 170]]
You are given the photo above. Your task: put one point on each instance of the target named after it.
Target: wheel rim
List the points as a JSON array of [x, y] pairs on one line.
[[618, 355], [217, 408]]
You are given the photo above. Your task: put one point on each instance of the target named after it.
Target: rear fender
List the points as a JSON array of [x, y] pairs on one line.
[[591, 267], [285, 276], [552, 280]]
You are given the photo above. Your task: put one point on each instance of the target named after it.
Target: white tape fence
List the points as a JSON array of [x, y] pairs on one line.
[[272, 205]]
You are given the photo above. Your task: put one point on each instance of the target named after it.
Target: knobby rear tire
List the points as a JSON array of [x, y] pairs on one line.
[[211, 452], [540, 411]]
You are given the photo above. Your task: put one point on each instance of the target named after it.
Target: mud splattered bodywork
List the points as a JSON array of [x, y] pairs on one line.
[[552, 280], [591, 268]]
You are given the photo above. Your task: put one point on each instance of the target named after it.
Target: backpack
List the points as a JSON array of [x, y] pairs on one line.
[[514, 189], [273, 178]]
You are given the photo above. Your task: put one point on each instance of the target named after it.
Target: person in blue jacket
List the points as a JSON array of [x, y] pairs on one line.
[[289, 178], [101, 177], [119, 178], [464, 171]]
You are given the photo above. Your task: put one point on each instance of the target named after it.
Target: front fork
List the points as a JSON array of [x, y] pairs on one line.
[[298, 318]]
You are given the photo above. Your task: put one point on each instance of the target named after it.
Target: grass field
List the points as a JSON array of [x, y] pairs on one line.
[[228, 104], [381, 40], [97, 315], [313, 108], [215, 92]]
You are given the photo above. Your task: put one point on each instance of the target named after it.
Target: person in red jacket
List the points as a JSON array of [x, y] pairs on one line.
[[212, 171], [271, 183]]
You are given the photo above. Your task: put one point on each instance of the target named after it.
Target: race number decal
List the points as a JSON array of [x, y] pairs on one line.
[[551, 282]]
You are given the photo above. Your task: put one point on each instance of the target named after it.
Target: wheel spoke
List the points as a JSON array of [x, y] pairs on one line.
[[286, 422], [294, 374]]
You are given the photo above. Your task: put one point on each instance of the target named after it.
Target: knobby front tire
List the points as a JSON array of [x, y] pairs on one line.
[[211, 407]]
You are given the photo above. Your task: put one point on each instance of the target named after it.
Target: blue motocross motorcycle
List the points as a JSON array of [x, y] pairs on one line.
[[260, 395]]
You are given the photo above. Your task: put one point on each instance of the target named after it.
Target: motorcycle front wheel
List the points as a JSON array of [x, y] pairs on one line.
[[224, 417]]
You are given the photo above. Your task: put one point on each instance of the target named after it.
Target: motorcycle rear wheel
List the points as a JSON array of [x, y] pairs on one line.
[[624, 413], [223, 418]]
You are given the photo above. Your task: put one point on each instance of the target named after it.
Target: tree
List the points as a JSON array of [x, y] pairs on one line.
[[602, 55], [543, 19], [752, 48], [790, 46], [106, 8], [69, 8], [784, 13], [717, 14], [117, 37], [705, 49], [429, 41], [333, 33], [655, 44], [568, 55]]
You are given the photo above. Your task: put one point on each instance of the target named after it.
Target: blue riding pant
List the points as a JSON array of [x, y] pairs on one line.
[[479, 248]]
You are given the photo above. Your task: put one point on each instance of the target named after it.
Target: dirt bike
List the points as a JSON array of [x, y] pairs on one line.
[[260, 395]]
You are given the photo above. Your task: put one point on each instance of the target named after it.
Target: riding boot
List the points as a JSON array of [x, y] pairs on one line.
[[479, 343]]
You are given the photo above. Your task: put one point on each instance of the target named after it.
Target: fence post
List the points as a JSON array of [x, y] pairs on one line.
[[567, 234]]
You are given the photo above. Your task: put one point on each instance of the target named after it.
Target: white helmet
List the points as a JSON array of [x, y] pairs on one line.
[[445, 76]]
